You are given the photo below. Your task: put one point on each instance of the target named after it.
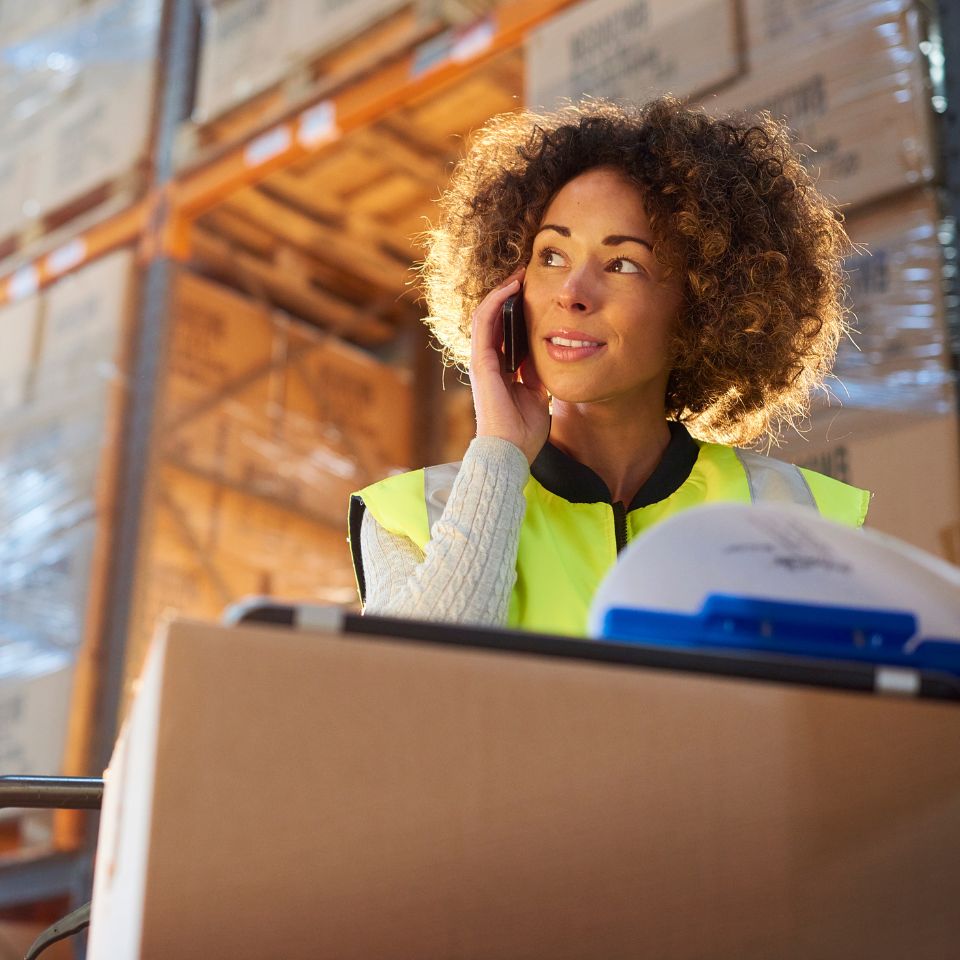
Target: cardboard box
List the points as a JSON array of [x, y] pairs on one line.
[[632, 49], [856, 99], [98, 132], [21, 150], [355, 797], [85, 326], [19, 325], [786, 26], [276, 408], [910, 463], [21, 20], [899, 355], [207, 545], [249, 45], [315, 26], [243, 51], [33, 716]]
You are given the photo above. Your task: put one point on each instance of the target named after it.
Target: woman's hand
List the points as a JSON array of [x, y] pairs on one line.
[[511, 406]]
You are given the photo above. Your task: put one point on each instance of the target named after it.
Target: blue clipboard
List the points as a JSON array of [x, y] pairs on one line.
[[886, 637]]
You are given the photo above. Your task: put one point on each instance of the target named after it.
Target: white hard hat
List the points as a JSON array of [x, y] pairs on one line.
[[780, 553]]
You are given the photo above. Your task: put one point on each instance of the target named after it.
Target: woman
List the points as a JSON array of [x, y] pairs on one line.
[[682, 286]]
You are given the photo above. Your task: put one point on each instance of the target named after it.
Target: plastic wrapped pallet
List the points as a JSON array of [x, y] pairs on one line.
[[53, 446], [849, 78], [890, 424], [634, 49], [76, 106]]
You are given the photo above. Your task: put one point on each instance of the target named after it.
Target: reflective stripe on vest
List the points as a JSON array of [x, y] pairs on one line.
[[772, 481]]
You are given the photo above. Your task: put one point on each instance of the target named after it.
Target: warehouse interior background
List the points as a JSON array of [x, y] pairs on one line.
[[210, 332]]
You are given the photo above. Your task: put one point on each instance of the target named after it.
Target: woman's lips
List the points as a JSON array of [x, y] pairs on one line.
[[572, 345]]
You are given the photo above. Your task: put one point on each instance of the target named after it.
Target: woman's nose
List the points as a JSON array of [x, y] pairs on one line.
[[576, 294]]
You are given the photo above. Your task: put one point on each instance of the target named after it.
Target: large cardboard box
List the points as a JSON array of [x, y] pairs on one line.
[[85, 326], [77, 111], [855, 96], [316, 26], [910, 463], [891, 424], [19, 325], [898, 356], [632, 49], [22, 20], [243, 51], [98, 133], [208, 544], [327, 795], [249, 45], [276, 408]]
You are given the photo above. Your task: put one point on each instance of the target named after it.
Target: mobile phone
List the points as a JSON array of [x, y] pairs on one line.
[[515, 346]]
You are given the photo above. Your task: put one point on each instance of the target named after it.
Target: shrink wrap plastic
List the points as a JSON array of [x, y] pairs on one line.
[[900, 355], [75, 105]]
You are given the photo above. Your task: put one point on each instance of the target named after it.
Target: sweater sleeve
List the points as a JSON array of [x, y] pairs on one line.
[[467, 571]]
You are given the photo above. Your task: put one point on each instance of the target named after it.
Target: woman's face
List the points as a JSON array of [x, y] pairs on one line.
[[599, 312]]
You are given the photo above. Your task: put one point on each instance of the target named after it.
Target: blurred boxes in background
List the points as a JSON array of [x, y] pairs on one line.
[[19, 330], [852, 87], [633, 49], [910, 462], [76, 107], [249, 45], [891, 425], [266, 427]]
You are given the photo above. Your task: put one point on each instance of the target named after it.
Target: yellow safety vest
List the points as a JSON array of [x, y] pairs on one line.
[[567, 547]]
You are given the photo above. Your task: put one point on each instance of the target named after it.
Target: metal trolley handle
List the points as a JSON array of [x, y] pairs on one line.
[[46, 793]]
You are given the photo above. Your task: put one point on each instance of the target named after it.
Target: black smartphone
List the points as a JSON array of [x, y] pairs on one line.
[[515, 346]]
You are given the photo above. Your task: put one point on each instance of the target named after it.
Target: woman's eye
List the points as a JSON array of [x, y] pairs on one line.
[[622, 265], [551, 258]]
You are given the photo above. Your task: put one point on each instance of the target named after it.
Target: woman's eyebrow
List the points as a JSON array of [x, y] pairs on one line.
[[614, 240]]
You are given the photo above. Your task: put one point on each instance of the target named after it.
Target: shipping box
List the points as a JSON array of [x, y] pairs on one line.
[[891, 424], [325, 795], [632, 49], [276, 408], [76, 111], [19, 327], [853, 90], [249, 45]]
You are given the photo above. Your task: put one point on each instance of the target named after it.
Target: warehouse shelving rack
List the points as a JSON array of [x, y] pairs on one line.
[[159, 227]]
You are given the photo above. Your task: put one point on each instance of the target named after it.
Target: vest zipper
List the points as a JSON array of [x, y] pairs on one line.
[[620, 525]]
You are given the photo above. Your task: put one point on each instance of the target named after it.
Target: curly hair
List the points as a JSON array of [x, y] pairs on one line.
[[735, 216]]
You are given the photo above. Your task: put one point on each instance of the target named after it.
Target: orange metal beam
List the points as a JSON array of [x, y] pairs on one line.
[[323, 123], [123, 228]]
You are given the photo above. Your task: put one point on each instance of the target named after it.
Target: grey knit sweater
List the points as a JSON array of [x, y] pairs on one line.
[[467, 571]]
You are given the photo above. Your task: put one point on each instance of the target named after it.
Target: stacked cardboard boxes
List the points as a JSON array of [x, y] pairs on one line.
[[266, 427], [250, 45], [633, 49], [75, 115], [850, 79], [63, 353]]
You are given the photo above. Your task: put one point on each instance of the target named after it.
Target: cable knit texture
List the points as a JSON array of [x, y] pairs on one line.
[[467, 572]]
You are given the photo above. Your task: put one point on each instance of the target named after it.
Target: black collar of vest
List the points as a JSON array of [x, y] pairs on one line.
[[576, 482]]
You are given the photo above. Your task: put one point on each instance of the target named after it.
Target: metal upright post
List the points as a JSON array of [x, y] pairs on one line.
[[945, 73], [177, 58]]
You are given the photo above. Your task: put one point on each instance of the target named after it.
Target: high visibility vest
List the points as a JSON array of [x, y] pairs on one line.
[[566, 548]]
